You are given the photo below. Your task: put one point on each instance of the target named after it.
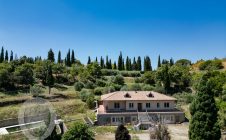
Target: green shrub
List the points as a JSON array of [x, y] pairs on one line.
[[135, 87], [100, 83], [130, 73], [147, 87], [211, 65], [85, 93], [90, 102], [90, 85], [138, 80], [109, 72], [118, 79], [124, 88], [98, 90], [78, 86], [36, 90], [79, 131], [159, 89], [224, 98], [108, 89]]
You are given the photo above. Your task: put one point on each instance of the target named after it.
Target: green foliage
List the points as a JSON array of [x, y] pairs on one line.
[[85, 93], [183, 62], [90, 102], [162, 77], [147, 87], [78, 86], [98, 90], [36, 90], [122, 133], [78, 131], [204, 113], [149, 78], [24, 74], [94, 69], [130, 73], [184, 98], [147, 64], [49, 78], [90, 85], [118, 79], [108, 72], [51, 55], [211, 65]]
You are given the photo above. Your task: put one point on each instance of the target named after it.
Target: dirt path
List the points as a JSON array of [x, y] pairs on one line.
[[178, 131], [142, 136]]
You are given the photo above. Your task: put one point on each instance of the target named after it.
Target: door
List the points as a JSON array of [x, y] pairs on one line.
[[139, 106]]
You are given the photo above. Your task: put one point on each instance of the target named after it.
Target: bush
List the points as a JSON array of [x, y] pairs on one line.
[[147, 87], [36, 90], [108, 89], [100, 83], [130, 73], [211, 65], [89, 85], [138, 80], [224, 98], [79, 131], [122, 133], [118, 79], [98, 91], [135, 87], [79, 86], [184, 97], [159, 89], [108, 72], [85, 93], [124, 88], [90, 102]]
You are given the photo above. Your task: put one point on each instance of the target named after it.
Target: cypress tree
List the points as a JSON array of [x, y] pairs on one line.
[[51, 55], [89, 60], [147, 64], [2, 55], [123, 64], [49, 78], [134, 65], [107, 63], [11, 56], [139, 63], [96, 60], [130, 64], [6, 56], [115, 66], [120, 63], [59, 57], [159, 61], [127, 63], [171, 62], [72, 57], [110, 64], [68, 58], [204, 125], [101, 62]]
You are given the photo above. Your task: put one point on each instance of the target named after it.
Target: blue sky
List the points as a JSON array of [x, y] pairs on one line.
[[191, 29]]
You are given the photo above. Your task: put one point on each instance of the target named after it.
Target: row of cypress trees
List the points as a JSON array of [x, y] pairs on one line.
[[4, 56]]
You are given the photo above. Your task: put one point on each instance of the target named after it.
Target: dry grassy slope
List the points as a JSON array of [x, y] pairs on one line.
[[195, 66]]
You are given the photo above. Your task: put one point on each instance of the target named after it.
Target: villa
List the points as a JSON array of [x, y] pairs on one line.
[[137, 107]]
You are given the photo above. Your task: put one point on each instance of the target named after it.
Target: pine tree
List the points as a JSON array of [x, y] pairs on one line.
[[59, 57], [6, 56], [11, 56], [2, 55], [139, 63], [122, 133], [89, 60], [120, 63], [72, 57], [51, 55], [204, 125], [159, 61]]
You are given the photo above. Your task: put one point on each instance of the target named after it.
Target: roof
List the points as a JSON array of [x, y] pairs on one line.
[[136, 96]]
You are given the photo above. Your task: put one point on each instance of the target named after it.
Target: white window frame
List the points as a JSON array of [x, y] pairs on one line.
[[131, 105], [148, 105], [117, 105]]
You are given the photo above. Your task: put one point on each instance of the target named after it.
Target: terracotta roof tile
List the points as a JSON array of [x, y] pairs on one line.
[[135, 95]]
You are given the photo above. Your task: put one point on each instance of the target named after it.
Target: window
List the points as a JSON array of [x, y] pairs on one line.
[[117, 119], [133, 118], [158, 105], [148, 105], [130, 105], [117, 105], [166, 105]]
